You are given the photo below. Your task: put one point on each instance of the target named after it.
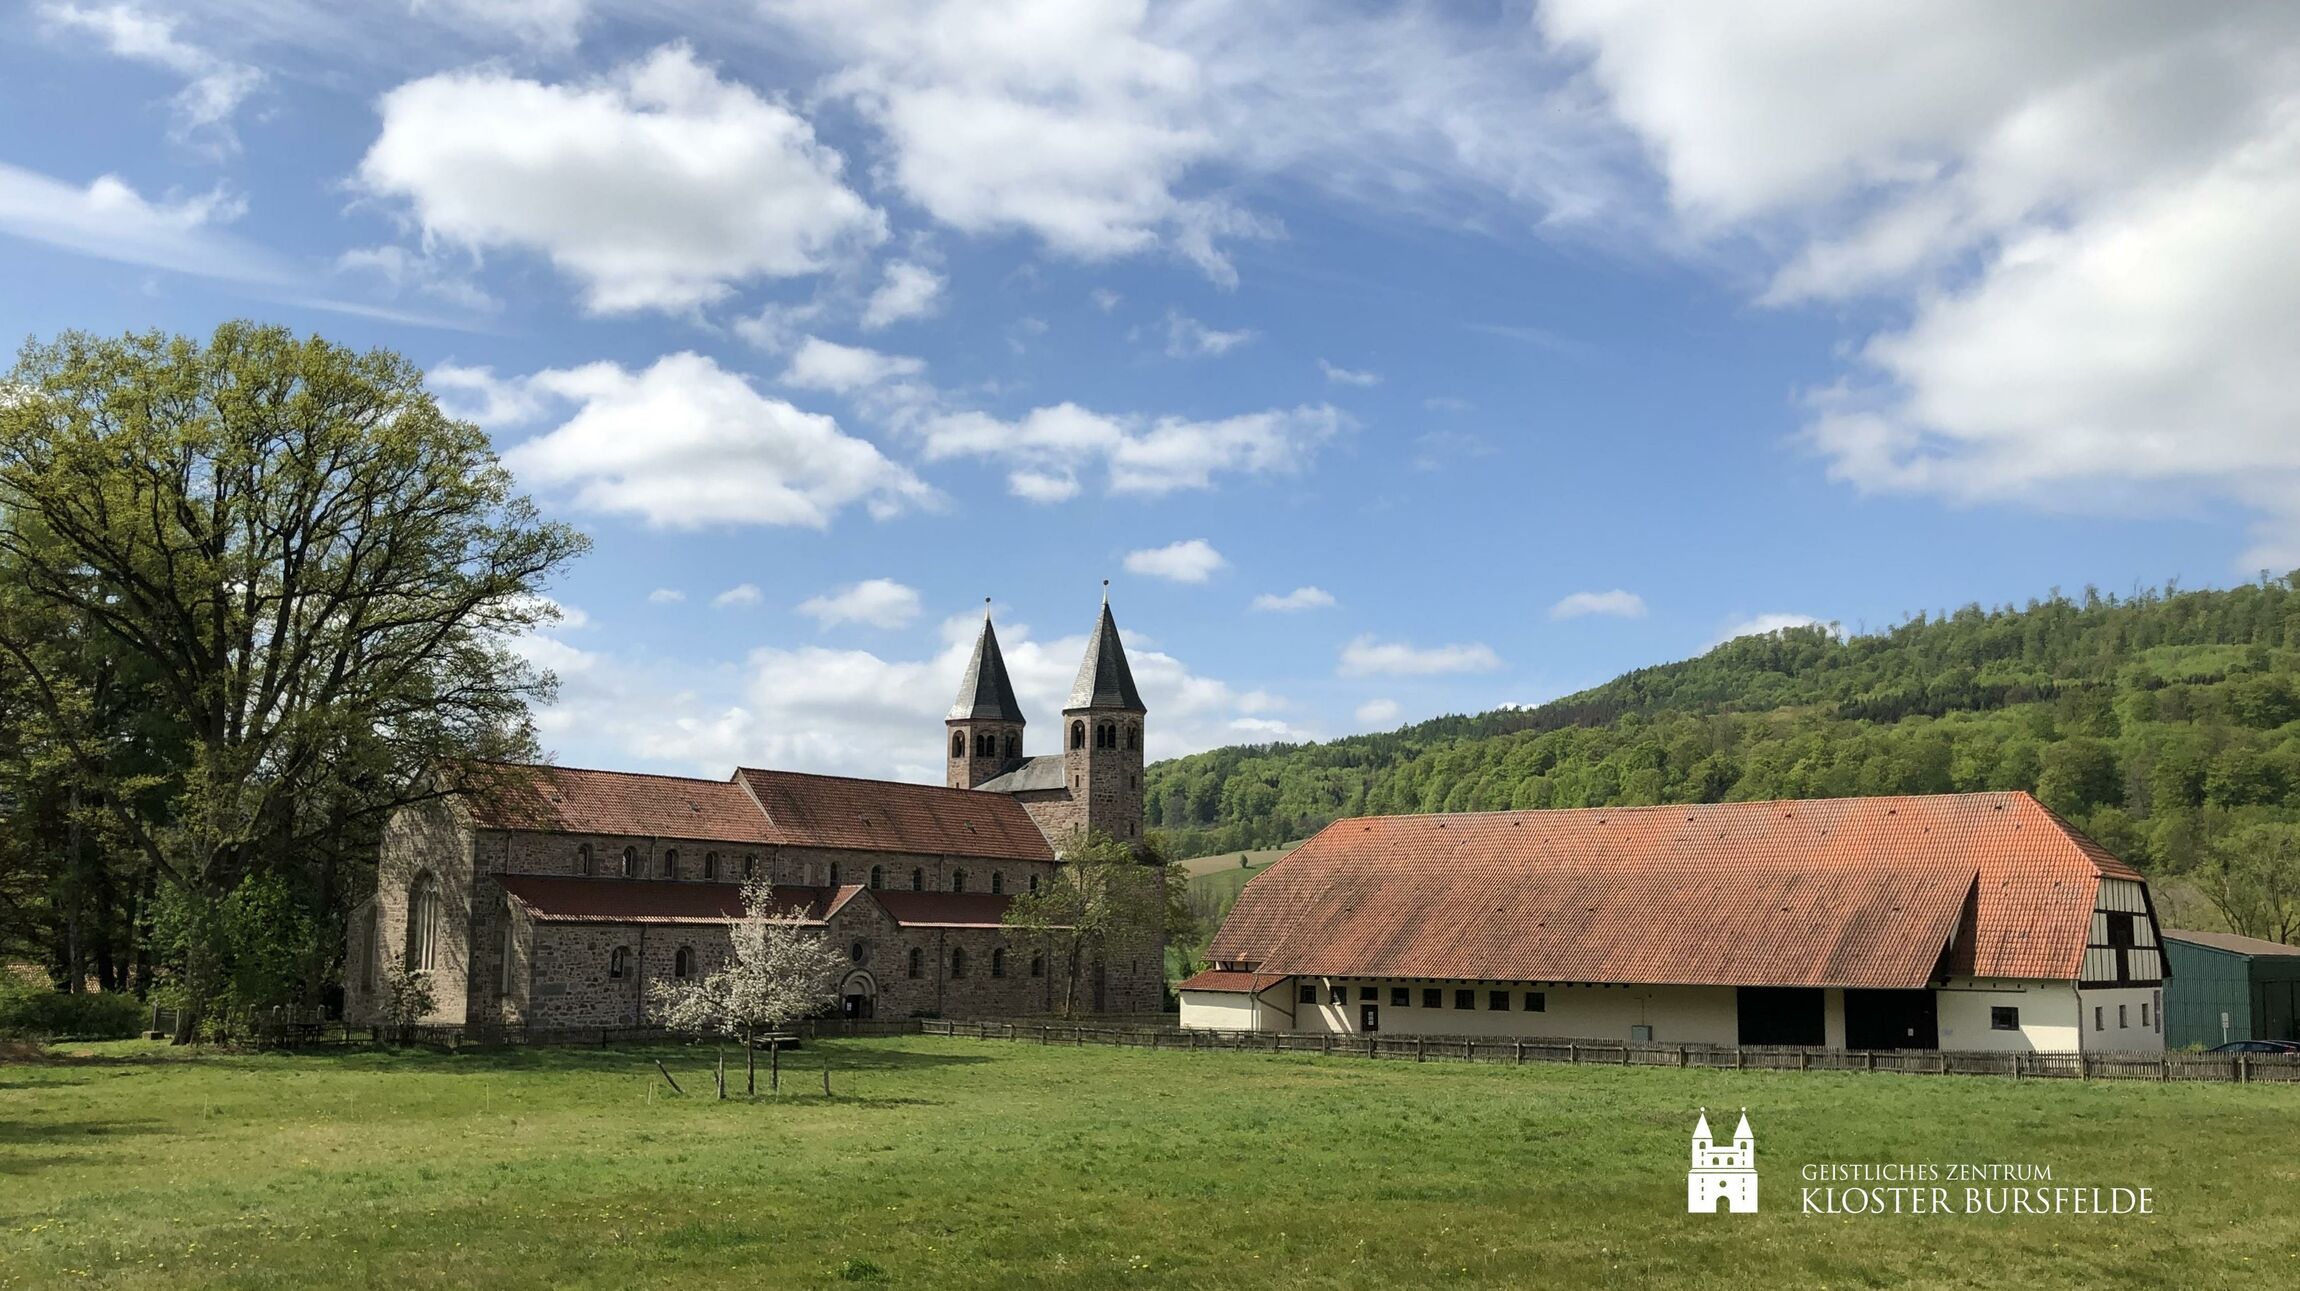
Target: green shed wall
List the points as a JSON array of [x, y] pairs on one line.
[[2259, 993]]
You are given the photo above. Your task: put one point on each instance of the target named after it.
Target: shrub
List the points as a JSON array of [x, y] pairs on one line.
[[33, 1012]]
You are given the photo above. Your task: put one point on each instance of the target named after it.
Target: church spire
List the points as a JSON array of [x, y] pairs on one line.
[[1104, 680], [984, 693]]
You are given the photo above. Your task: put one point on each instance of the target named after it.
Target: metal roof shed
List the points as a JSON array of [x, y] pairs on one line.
[[2253, 984]]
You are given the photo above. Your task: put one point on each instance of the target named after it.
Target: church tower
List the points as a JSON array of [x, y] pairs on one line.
[[984, 729], [1102, 736]]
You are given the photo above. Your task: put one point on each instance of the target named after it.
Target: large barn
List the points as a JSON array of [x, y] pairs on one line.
[[1960, 921]]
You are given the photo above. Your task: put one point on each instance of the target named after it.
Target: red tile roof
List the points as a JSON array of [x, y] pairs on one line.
[[1859, 892], [884, 816], [571, 800], [1227, 981], [943, 909], [566, 900]]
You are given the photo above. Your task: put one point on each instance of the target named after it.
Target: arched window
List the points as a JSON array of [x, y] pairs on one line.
[[997, 882], [834, 874], [917, 962], [958, 961], [683, 963], [583, 860], [1134, 736], [630, 862], [1013, 745], [750, 864], [958, 744], [618, 961], [998, 962], [1034, 883], [422, 923], [1078, 735], [671, 863], [918, 880], [987, 744], [710, 865], [877, 877], [1038, 964], [958, 880]]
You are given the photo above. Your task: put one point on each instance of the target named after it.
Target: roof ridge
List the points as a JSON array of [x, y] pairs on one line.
[[854, 779], [636, 775]]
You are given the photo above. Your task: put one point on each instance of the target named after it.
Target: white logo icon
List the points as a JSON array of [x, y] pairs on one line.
[[1722, 1174]]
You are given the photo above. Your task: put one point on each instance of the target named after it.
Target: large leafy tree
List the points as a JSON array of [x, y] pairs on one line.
[[312, 579], [1109, 896]]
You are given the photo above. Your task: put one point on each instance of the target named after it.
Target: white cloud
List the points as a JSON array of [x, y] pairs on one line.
[[1615, 604], [1301, 598], [1378, 712], [661, 186], [1760, 625], [878, 602], [1187, 338], [739, 594], [112, 221], [1349, 376], [549, 25], [403, 271], [214, 87], [666, 596], [1191, 561], [2080, 219], [1118, 129], [818, 364], [853, 712], [910, 290], [1049, 446], [1367, 657], [685, 443]]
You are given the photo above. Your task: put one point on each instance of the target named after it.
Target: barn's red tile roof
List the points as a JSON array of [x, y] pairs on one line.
[[884, 816], [1862, 892], [570, 800], [568, 900], [1229, 981], [943, 909]]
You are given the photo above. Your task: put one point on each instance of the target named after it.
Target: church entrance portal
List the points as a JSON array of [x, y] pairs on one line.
[[858, 998]]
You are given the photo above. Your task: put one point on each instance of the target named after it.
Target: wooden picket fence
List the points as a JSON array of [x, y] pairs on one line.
[[2226, 1067]]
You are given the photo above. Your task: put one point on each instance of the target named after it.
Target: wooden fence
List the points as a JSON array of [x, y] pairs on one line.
[[2237, 1067]]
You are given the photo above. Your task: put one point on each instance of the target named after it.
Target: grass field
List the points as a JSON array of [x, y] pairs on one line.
[[959, 1163], [1225, 862]]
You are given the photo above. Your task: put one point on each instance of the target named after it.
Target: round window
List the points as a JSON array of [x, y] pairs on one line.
[[857, 952]]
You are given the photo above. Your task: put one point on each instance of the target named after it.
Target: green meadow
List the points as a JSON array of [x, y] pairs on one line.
[[945, 1163]]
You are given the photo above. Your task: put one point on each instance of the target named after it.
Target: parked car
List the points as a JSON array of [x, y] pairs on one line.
[[2257, 1046]]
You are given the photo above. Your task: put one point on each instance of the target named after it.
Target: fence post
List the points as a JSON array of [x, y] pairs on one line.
[[1804, 1060], [1326, 1043], [2083, 1065], [1521, 1053], [1736, 1057], [1681, 1055], [2243, 1071], [2163, 1069], [2016, 1064], [1418, 1050]]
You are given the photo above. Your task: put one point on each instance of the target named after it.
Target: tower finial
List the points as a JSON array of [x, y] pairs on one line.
[[1105, 591], [986, 609]]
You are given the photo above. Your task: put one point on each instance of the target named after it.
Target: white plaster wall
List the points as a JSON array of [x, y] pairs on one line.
[[1677, 1014], [1221, 1011], [2130, 1036], [2048, 1015]]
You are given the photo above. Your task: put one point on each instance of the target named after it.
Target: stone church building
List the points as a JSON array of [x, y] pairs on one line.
[[556, 896]]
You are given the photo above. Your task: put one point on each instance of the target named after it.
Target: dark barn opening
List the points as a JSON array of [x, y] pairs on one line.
[[1781, 1015], [1891, 1020]]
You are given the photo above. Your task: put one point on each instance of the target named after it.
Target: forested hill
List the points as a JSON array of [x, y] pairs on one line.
[[2161, 724]]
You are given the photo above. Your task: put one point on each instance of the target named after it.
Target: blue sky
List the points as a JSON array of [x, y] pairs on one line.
[[1420, 358]]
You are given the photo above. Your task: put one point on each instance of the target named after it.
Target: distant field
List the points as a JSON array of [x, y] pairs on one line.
[[959, 1163], [1222, 861]]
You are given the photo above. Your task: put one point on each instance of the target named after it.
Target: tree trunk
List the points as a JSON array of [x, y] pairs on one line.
[[722, 1072], [774, 1067], [751, 1063]]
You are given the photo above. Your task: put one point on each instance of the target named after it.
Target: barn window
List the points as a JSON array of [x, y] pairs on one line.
[[671, 863], [1465, 999], [1400, 997], [1308, 994], [583, 860], [422, 923], [710, 865], [2097, 1024], [998, 962], [1497, 1001], [618, 961], [2121, 1024], [958, 961], [918, 880], [1536, 1002], [1078, 735], [1369, 993], [630, 862], [1038, 969], [1340, 994], [2002, 1018], [683, 963], [1433, 998], [958, 744], [917, 962], [877, 877], [958, 880], [997, 882]]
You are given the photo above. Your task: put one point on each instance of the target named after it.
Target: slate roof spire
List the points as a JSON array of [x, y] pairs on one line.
[[1104, 680], [984, 693]]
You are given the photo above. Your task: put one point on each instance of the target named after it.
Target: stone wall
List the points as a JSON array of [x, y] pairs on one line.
[[431, 838]]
